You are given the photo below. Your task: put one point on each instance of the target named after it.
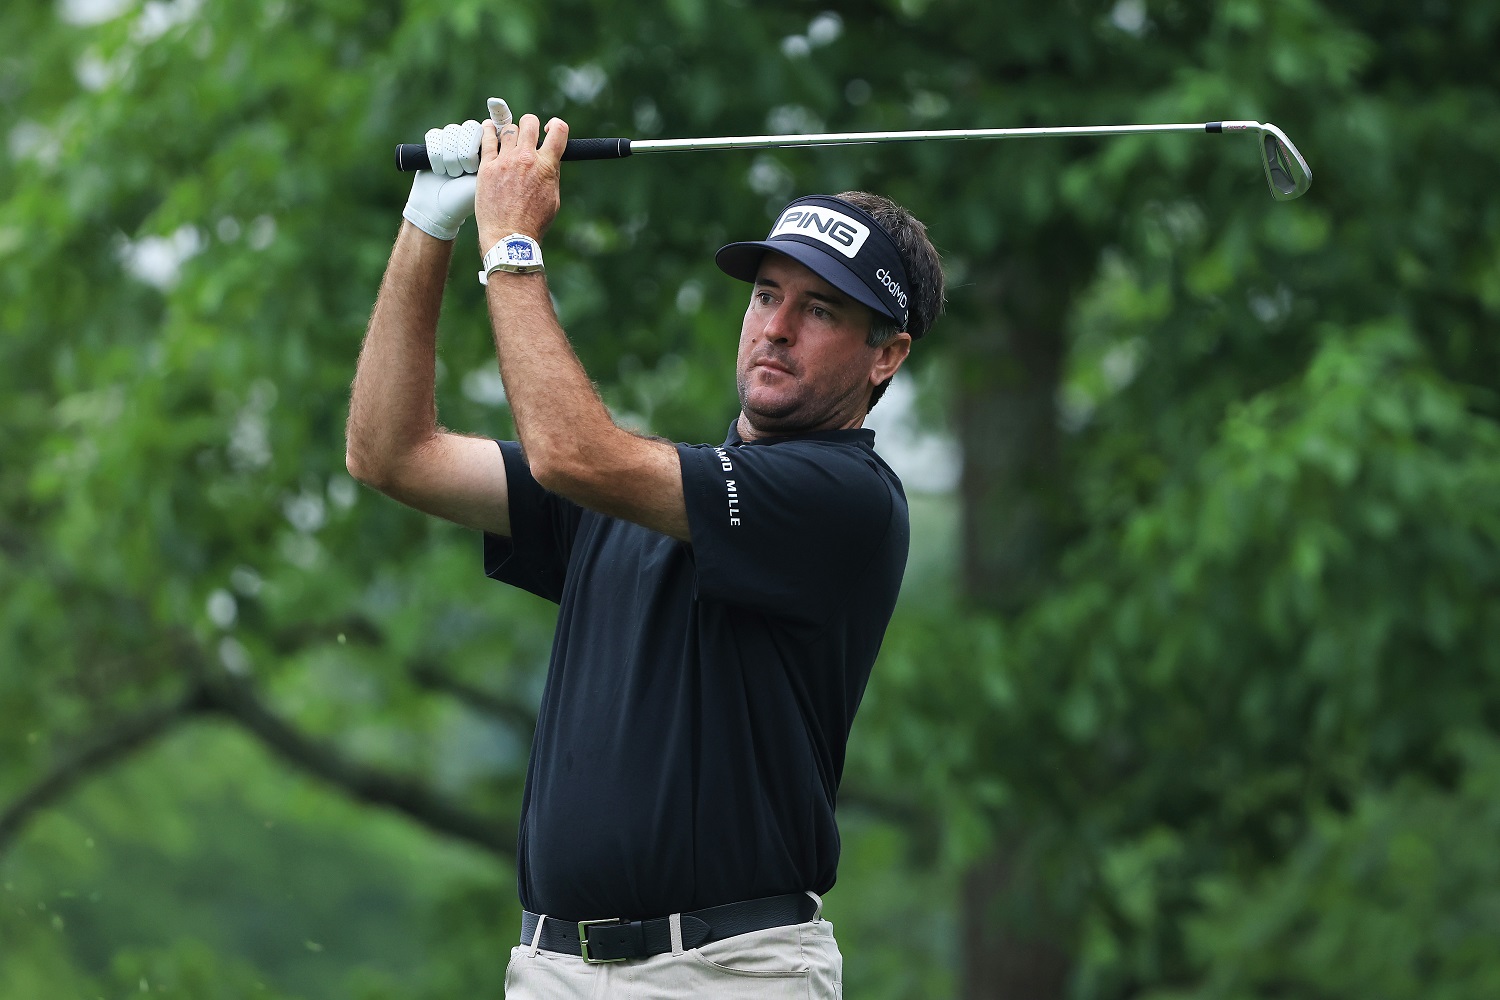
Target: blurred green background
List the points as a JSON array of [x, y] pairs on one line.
[[1194, 688]]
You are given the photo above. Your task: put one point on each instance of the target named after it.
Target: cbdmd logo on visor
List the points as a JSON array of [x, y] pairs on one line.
[[844, 234], [891, 285]]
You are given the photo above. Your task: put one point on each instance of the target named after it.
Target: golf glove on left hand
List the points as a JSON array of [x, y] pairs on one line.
[[443, 197]]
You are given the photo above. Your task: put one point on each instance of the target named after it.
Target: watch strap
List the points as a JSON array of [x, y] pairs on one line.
[[515, 254]]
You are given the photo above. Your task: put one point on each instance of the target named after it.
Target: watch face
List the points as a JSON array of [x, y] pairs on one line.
[[520, 250]]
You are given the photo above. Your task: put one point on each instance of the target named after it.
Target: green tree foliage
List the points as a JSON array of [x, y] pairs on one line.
[[1270, 587], [1393, 897], [1200, 657]]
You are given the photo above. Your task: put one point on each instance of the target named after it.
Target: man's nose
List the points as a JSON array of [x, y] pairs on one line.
[[781, 326]]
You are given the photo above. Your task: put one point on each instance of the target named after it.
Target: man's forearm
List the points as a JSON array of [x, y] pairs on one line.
[[557, 412], [550, 395], [392, 408], [572, 444]]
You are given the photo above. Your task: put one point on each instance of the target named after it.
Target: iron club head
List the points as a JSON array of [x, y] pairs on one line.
[[1286, 171]]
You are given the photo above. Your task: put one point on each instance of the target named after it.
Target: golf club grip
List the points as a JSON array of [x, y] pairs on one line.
[[412, 156]]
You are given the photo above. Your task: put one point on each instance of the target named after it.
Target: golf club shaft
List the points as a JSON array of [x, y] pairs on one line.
[[857, 138], [413, 156], [1286, 171]]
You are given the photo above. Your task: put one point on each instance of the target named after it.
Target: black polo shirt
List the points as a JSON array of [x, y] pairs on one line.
[[691, 735]]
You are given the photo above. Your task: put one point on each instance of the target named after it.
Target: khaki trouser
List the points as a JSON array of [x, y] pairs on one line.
[[796, 962]]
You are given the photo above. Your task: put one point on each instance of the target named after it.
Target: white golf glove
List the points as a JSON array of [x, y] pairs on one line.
[[443, 197]]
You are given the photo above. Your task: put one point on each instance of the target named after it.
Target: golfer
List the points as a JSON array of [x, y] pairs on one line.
[[720, 606]]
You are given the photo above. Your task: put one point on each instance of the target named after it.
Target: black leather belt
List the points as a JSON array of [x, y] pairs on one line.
[[615, 940]]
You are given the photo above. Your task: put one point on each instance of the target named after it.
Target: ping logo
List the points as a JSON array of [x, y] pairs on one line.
[[838, 230]]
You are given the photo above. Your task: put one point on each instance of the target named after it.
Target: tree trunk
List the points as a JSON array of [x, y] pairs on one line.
[[1016, 943], [1011, 951], [1007, 425]]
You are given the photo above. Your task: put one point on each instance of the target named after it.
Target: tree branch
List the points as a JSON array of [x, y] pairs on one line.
[[234, 699], [119, 741], [922, 826], [213, 691], [519, 715]]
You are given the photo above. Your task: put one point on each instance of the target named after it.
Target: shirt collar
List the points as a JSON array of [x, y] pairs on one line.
[[857, 435]]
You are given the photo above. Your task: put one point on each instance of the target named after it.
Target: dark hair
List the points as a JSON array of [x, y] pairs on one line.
[[924, 272]]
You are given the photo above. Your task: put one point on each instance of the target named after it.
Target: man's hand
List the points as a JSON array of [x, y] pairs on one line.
[[518, 183], [443, 197]]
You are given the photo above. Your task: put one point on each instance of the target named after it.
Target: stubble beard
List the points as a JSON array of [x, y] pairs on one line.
[[795, 411]]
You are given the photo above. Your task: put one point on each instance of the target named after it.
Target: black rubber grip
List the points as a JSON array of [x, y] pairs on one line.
[[412, 156], [596, 149]]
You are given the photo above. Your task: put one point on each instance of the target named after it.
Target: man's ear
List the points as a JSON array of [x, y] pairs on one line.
[[889, 357]]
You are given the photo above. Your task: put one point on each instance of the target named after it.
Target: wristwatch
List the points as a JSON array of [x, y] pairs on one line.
[[516, 253]]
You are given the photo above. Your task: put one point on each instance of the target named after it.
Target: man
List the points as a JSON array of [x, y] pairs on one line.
[[719, 607]]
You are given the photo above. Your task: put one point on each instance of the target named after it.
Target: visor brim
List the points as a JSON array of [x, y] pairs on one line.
[[742, 261]]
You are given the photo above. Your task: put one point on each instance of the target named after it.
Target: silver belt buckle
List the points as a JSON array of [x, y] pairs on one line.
[[583, 940]]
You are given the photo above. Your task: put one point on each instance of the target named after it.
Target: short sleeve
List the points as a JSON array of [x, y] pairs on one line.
[[542, 528], [786, 528]]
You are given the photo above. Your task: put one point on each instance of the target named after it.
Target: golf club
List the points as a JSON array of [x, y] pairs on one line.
[[1287, 172]]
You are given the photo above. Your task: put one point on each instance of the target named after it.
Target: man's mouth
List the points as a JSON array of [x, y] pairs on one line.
[[772, 364]]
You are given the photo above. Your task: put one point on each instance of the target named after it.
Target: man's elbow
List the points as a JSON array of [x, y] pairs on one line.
[[373, 474], [561, 471], [552, 476]]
